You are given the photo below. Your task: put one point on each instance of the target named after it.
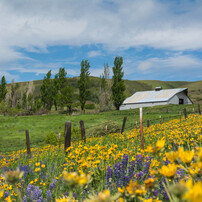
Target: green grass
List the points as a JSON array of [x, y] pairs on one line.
[[12, 129]]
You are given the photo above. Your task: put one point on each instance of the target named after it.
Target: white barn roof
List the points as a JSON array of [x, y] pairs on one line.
[[153, 96]]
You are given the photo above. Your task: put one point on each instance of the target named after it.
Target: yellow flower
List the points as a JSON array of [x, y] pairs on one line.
[[140, 191], [43, 165], [37, 169], [172, 156], [37, 164], [160, 144], [1, 194], [149, 183], [200, 153], [186, 156], [195, 193], [36, 180], [169, 170], [32, 182], [8, 199], [149, 149], [73, 179], [121, 190]]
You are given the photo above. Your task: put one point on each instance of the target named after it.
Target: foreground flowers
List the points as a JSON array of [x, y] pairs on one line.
[[111, 168]]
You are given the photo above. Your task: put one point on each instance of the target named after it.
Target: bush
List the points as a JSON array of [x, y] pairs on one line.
[[100, 130], [90, 106], [53, 139]]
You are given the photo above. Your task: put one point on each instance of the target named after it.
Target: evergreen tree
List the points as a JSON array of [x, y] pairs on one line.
[[83, 83], [3, 90], [47, 92], [118, 86]]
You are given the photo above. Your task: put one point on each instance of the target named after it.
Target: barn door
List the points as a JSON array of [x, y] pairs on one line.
[[181, 101]]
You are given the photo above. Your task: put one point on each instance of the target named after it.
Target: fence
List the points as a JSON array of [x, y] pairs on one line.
[[137, 125]]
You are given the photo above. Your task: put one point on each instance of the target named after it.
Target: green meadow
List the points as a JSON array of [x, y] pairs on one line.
[[12, 129]]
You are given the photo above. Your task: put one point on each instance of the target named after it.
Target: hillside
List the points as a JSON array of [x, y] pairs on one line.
[[194, 88]]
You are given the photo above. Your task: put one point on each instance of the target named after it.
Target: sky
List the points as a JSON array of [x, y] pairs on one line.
[[158, 39]]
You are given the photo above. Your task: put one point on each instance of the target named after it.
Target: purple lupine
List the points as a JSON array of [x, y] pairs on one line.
[[49, 196], [66, 194], [75, 195], [52, 185], [124, 163], [139, 161], [42, 175], [29, 189], [40, 199], [24, 199], [109, 176], [165, 195], [126, 180], [131, 169], [37, 193], [146, 165], [156, 192], [166, 162], [117, 174], [139, 176], [6, 194]]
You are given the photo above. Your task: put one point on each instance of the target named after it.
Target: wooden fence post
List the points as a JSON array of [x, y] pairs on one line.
[[59, 137], [185, 113], [147, 123], [199, 110], [123, 126], [28, 142], [83, 136], [180, 116], [67, 135], [136, 125], [160, 119], [141, 130]]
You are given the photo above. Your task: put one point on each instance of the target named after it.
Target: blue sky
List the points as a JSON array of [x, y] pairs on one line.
[[158, 39]]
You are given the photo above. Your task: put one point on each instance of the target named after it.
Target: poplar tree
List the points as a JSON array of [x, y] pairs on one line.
[[47, 93], [83, 83], [118, 86], [3, 90], [105, 90]]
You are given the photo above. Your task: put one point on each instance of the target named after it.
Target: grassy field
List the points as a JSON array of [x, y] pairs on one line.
[[12, 129]]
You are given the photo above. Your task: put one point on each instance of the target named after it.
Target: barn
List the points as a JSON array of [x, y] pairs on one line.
[[156, 97]]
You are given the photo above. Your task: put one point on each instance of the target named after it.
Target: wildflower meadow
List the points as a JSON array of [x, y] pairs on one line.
[[113, 167]]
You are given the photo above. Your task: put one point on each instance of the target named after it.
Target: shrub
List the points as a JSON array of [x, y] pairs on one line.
[[53, 139], [100, 130], [90, 106]]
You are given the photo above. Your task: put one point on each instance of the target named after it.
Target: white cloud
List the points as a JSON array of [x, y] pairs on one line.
[[179, 62], [94, 54], [35, 25]]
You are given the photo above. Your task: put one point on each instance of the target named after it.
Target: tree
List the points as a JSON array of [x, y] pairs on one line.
[[62, 86], [3, 89], [83, 83], [14, 94], [47, 93], [118, 86], [105, 90]]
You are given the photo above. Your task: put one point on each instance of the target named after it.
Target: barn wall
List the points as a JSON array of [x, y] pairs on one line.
[[182, 95], [134, 106]]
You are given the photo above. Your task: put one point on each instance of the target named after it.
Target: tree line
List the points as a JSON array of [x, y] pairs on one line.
[[58, 92]]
